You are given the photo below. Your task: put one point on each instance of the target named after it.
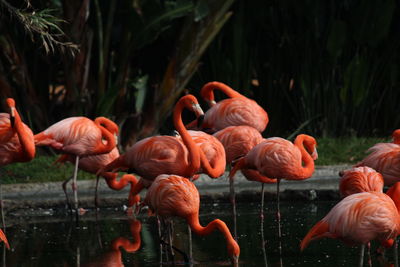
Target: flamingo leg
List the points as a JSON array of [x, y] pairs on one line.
[[233, 201], [190, 245], [160, 237], [369, 254], [96, 195], [395, 253], [75, 185], [278, 218], [64, 187], [263, 241], [361, 260]]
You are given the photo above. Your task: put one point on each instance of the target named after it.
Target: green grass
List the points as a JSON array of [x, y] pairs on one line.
[[331, 151]]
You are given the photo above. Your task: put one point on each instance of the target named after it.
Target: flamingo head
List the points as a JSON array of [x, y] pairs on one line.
[[396, 136], [190, 102], [234, 252], [208, 96], [109, 125], [310, 145]]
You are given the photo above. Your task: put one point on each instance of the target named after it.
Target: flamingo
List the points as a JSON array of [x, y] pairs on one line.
[[238, 141], [16, 143], [157, 155], [113, 257], [233, 111], [360, 179], [281, 159], [80, 137], [92, 164], [173, 195], [385, 159], [16, 138], [360, 218]]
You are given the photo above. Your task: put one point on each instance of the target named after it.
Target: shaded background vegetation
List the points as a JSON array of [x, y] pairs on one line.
[[328, 68]]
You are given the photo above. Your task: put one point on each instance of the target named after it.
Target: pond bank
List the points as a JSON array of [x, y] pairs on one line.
[[323, 185]]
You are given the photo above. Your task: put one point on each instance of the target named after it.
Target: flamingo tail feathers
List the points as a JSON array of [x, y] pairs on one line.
[[318, 231]]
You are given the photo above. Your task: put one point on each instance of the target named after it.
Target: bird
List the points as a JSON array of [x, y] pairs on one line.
[[176, 196], [16, 138], [279, 158], [16, 143], [162, 154], [92, 164], [238, 141], [233, 111], [385, 159], [360, 179], [80, 137], [360, 218], [113, 256]]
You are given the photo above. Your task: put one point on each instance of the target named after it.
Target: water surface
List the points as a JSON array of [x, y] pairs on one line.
[[53, 239]]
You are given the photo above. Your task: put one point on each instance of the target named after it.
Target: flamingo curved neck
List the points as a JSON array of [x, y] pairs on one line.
[[25, 138], [394, 193], [307, 168], [193, 221], [207, 92], [102, 148], [213, 171], [194, 157]]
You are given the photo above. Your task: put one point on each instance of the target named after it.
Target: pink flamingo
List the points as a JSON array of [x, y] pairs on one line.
[[79, 136], [16, 143], [281, 159], [238, 141], [233, 111], [385, 159], [173, 195], [360, 179], [360, 218]]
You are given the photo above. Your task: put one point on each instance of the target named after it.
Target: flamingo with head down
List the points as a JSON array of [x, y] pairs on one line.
[[233, 111], [173, 195], [360, 218]]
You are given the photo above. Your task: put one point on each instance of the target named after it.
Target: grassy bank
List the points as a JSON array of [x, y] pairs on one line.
[[41, 169]]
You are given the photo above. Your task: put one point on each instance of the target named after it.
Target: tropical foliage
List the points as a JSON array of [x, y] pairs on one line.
[[328, 68]]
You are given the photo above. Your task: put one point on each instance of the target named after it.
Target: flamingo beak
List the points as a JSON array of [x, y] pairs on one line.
[[200, 120], [116, 138], [211, 103], [235, 261], [314, 155], [12, 116], [197, 110]]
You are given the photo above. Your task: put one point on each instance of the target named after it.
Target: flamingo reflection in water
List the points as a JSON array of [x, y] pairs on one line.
[[113, 256]]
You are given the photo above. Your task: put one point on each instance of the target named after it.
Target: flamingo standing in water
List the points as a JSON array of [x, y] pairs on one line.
[[360, 218], [92, 164], [80, 137], [360, 179], [238, 141], [157, 155], [113, 257], [16, 143], [385, 159], [233, 111], [173, 195], [281, 159]]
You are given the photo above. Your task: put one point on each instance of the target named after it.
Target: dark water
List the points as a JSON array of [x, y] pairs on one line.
[[56, 240]]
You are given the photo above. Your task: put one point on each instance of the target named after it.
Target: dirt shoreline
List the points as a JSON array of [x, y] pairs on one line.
[[323, 185]]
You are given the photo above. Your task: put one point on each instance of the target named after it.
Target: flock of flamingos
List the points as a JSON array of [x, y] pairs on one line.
[[229, 133]]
